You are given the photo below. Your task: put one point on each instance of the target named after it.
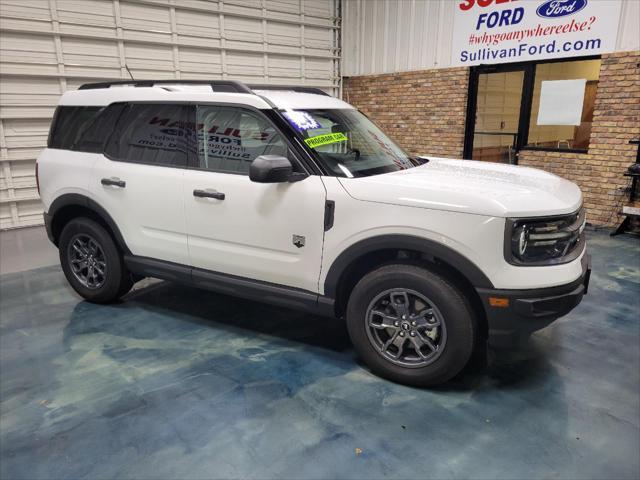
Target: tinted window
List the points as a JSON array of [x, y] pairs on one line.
[[151, 133], [230, 138], [97, 132], [69, 123]]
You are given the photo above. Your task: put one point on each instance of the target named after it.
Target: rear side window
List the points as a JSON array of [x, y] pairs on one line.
[[97, 132], [152, 134], [68, 125]]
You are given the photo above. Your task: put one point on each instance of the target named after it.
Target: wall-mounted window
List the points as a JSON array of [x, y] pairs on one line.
[[564, 96], [536, 105]]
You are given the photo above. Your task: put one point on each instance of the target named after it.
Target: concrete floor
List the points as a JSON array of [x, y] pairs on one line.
[[180, 383], [25, 249]]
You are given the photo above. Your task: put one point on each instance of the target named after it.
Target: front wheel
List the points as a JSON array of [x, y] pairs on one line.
[[411, 325], [92, 262]]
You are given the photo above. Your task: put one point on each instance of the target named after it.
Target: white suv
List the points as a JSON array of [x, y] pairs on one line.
[[290, 196]]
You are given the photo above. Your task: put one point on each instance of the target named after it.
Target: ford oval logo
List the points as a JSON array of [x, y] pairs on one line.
[[560, 8]]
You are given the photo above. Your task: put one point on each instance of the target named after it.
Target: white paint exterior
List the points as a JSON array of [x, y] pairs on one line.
[[50, 46], [287, 100], [385, 36], [458, 204], [478, 237], [477, 188], [249, 233]]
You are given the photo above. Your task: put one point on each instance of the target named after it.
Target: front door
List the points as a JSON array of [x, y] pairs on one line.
[[495, 108], [266, 232]]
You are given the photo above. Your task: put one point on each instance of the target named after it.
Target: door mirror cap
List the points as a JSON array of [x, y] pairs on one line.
[[270, 169]]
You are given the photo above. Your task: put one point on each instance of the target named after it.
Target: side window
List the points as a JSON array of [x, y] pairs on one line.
[[68, 125], [152, 134], [96, 134], [230, 138]]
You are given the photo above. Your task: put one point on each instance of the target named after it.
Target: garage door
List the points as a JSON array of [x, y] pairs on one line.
[[47, 47]]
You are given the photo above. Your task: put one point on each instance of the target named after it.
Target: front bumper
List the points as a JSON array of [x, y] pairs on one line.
[[515, 314]]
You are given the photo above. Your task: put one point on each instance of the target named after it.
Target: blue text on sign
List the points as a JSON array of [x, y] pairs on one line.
[[501, 18]]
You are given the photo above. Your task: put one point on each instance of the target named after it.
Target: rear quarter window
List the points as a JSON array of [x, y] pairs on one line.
[[69, 123], [96, 134]]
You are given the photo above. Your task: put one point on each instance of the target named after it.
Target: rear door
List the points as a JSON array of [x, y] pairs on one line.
[[139, 179], [267, 232]]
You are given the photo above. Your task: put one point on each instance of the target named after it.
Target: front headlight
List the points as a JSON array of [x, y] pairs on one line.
[[545, 241]]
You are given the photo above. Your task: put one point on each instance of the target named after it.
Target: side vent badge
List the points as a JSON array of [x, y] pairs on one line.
[[298, 241]]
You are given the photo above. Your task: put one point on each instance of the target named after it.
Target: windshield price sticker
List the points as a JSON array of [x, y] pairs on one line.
[[326, 139]]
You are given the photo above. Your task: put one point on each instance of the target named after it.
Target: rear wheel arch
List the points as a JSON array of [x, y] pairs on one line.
[[369, 254], [72, 205]]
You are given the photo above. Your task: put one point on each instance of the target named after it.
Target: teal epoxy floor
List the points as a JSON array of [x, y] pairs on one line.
[[180, 383]]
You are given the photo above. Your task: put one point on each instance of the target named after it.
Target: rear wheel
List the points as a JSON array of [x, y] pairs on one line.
[[411, 325], [92, 262]]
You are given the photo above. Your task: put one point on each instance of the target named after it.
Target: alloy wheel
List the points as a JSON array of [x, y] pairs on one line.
[[405, 327], [87, 261]]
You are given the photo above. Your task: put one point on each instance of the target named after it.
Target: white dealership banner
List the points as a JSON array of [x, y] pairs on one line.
[[506, 31]]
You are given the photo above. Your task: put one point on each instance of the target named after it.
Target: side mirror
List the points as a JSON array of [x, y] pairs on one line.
[[270, 169]]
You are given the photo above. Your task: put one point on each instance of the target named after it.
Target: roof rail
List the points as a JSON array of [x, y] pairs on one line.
[[295, 88], [232, 86], [216, 85]]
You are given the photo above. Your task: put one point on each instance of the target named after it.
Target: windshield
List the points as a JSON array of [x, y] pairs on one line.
[[348, 143]]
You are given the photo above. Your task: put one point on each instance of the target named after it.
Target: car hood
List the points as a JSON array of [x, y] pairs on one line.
[[482, 188]]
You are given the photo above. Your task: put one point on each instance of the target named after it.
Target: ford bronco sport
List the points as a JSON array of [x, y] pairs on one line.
[[290, 196]]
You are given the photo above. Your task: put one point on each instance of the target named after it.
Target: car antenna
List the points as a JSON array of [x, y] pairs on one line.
[[130, 74]]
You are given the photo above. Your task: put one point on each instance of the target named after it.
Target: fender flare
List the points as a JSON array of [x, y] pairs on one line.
[[71, 199], [403, 242]]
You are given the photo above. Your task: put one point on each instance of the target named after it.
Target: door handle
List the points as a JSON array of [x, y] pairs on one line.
[[208, 194], [114, 182]]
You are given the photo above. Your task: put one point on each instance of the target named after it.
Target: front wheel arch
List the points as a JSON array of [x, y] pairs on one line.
[[367, 255]]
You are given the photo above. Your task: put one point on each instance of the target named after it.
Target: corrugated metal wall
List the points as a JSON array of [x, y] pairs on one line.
[[384, 36], [49, 46], [381, 36]]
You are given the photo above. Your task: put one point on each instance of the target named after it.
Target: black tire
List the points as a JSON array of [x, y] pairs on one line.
[[449, 307], [115, 282]]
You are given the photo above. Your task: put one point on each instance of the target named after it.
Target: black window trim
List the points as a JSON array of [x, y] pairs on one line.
[[54, 124], [526, 102]]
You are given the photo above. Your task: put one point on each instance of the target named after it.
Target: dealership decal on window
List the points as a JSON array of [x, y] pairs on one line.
[[502, 31], [301, 121], [217, 141]]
